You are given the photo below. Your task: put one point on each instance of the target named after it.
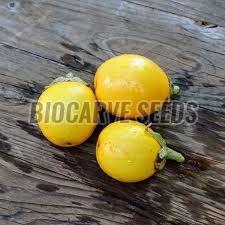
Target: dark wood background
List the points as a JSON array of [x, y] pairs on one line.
[[43, 39]]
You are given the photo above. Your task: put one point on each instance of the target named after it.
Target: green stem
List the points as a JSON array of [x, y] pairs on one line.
[[69, 75], [168, 153], [174, 89]]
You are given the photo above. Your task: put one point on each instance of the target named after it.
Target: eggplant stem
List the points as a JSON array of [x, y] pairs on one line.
[[169, 153], [175, 89], [166, 152]]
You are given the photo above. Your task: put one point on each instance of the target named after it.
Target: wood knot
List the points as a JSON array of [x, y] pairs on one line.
[[12, 4], [205, 23], [47, 187]]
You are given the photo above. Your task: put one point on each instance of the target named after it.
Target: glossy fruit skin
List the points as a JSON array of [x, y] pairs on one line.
[[67, 133], [127, 152], [132, 78]]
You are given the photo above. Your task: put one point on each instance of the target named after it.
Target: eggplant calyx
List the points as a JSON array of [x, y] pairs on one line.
[[68, 77]]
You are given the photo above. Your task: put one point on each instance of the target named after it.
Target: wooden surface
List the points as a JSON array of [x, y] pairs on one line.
[[42, 39]]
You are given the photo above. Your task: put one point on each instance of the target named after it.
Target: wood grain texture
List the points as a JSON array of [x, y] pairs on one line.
[[205, 12], [41, 184], [82, 34]]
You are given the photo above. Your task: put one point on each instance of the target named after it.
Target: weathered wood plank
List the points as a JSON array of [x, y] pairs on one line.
[[207, 13], [42, 184], [171, 195], [191, 54]]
